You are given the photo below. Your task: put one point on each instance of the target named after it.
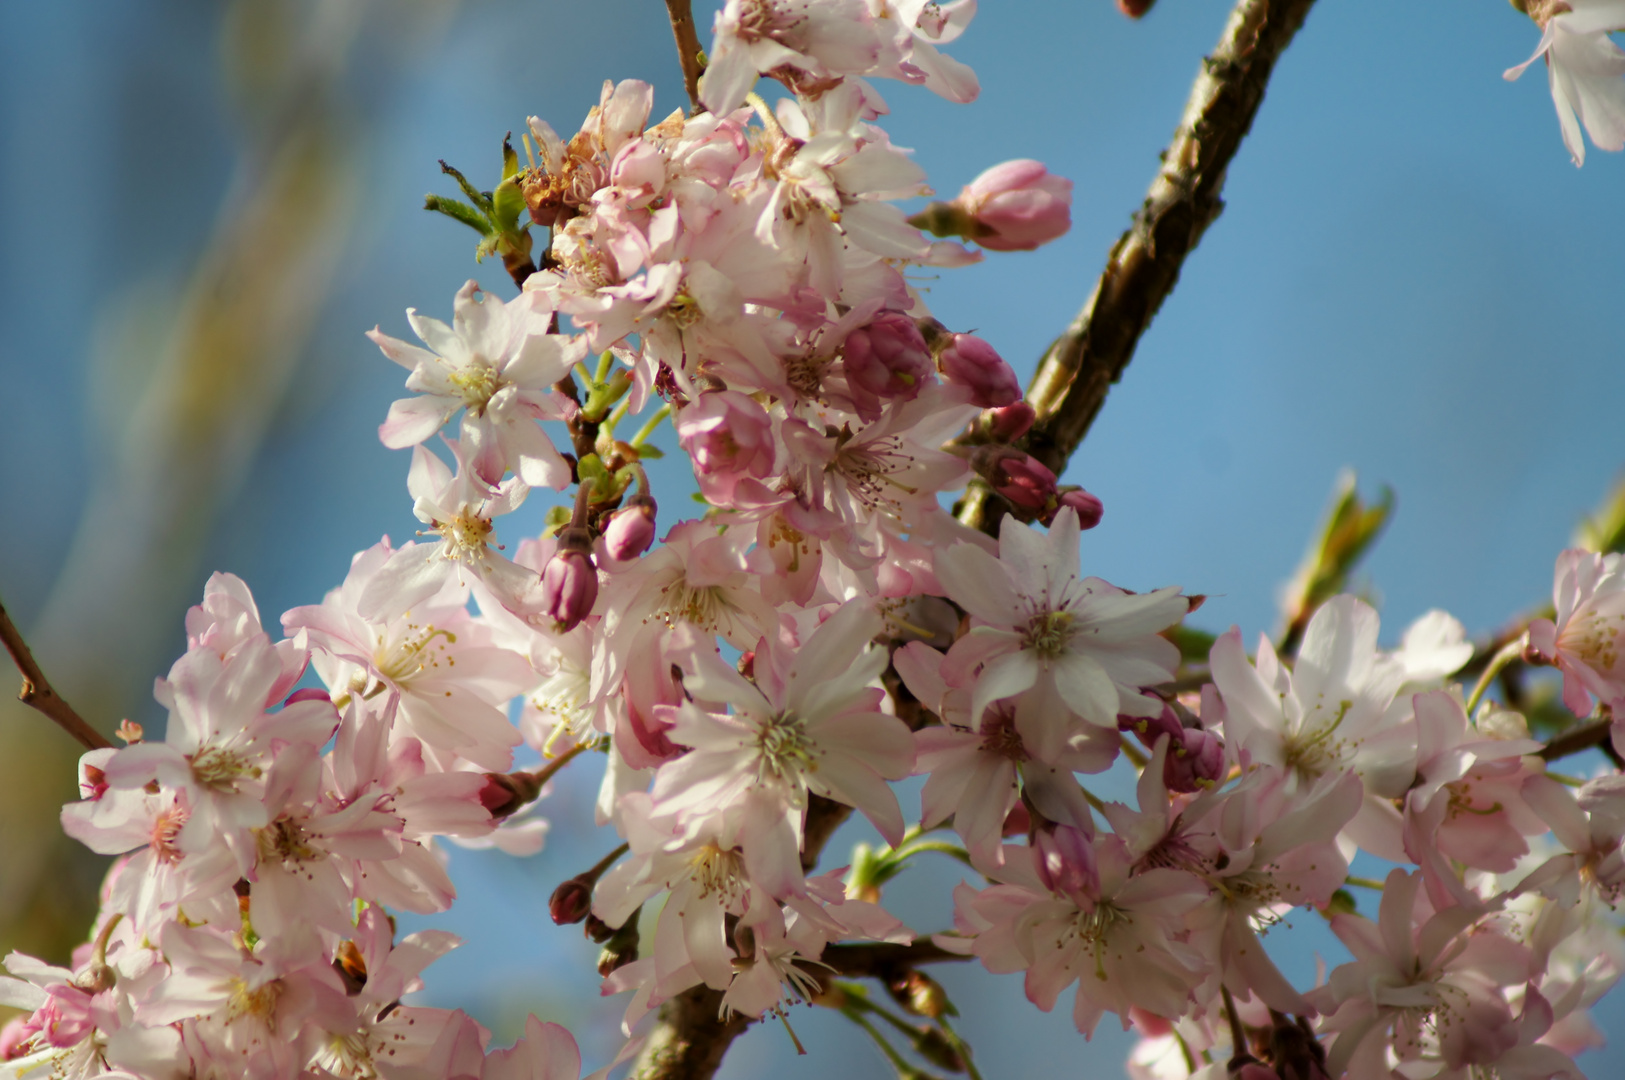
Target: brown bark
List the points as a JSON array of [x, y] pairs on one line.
[[688, 46], [1081, 365]]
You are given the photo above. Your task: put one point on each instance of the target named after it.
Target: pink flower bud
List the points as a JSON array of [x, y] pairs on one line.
[[569, 587], [967, 360], [1009, 423], [729, 437], [1089, 507], [885, 360], [1024, 480], [631, 530], [1017, 206], [571, 902], [1066, 861], [1195, 761]]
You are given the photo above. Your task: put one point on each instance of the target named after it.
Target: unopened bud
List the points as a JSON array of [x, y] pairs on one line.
[[1134, 9], [967, 360], [933, 1046], [621, 949], [1009, 423], [97, 976], [569, 582], [886, 360], [1089, 508], [631, 530], [1021, 478], [1195, 761], [505, 793], [1066, 861], [1017, 206], [921, 995], [571, 902]]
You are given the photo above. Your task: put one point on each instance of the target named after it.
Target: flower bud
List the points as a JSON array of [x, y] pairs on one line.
[[569, 582], [1089, 507], [885, 360], [1195, 761], [920, 994], [505, 793], [571, 902], [1134, 9], [967, 360], [1017, 205], [932, 1045], [1066, 861], [1009, 423], [631, 530], [1021, 478]]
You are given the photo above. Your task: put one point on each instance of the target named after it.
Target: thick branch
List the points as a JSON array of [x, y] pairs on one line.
[[688, 46], [885, 961], [1143, 267], [38, 693]]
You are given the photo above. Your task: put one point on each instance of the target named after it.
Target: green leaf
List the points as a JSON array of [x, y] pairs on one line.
[[1604, 531], [459, 211], [650, 452]]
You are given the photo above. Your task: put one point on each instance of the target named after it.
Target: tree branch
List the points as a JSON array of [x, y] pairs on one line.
[[38, 693], [1143, 267], [1578, 739], [886, 961], [688, 47]]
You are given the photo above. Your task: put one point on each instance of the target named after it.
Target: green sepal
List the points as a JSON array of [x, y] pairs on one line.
[[650, 452], [507, 203], [601, 397], [557, 518], [510, 160], [473, 194], [459, 211], [1341, 903]]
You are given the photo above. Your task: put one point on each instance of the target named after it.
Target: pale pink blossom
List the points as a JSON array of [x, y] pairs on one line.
[[499, 365], [1587, 639], [1087, 646], [729, 438]]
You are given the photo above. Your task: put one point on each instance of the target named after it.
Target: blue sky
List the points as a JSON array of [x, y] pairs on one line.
[[1410, 279]]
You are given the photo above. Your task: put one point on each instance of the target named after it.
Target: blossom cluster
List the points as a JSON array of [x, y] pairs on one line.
[[825, 629]]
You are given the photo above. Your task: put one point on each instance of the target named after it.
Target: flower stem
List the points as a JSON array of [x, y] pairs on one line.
[[650, 425], [1509, 652]]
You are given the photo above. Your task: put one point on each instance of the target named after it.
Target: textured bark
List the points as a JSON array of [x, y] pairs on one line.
[[687, 37], [1080, 366]]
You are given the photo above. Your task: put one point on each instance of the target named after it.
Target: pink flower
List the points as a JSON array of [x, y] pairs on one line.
[[498, 364], [1017, 206], [729, 438], [1587, 641], [1085, 645]]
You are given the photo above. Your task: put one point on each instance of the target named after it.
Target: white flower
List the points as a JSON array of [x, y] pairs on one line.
[[1585, 69]]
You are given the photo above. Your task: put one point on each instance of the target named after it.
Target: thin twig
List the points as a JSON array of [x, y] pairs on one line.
[[38, 693], [688, 47], [1143, 267]]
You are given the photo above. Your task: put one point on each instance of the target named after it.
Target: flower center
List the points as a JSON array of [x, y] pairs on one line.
[[464, 537], [219, 770], [412, 653], [477, 385], [784, 749], [1048, 633]]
